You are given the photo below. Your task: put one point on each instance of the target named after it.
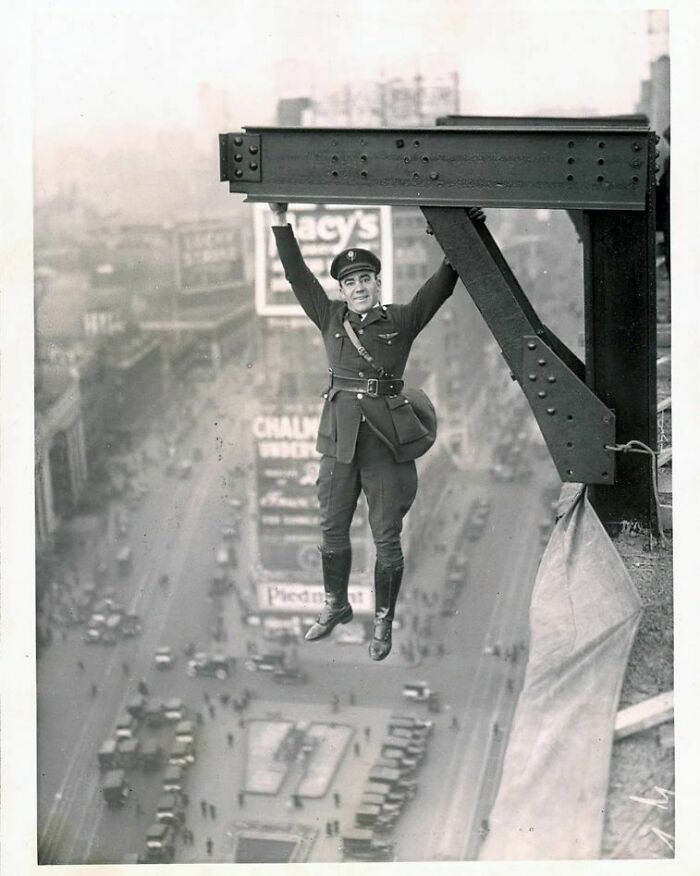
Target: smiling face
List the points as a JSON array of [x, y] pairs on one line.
[[361, 290]]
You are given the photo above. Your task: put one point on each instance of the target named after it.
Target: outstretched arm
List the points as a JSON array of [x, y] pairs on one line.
[[307, 290]]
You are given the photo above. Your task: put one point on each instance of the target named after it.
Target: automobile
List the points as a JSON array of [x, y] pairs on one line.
[[350, 634], [165, 657], [181, 754], [110, 631], [290, 676], [170, 808], [160, 844], [235, 502], [174, 710], [126, 726], [228, 533], [184, 731], [129, 754], [416, 690], [136, 706], [174, 778], [264, 662], [130, 625], [216, 665], [114, 789], [220, 584], [124, 560], [412, 721], [154, 715], [107, 756], [363, 845], [152, 756]]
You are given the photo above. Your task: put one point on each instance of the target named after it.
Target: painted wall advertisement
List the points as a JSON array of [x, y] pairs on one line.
[[208, 257], [287, 513], [322, 231]]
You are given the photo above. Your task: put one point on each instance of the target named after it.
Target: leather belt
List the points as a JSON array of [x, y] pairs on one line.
[[372, 387]]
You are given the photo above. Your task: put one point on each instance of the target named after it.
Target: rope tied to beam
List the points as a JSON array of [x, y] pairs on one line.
[[635, 446]]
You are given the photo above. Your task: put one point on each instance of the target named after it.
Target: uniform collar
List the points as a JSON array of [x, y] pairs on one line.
[[377, 312]]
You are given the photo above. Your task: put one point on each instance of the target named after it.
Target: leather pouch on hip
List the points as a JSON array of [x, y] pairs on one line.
[[407, 424]]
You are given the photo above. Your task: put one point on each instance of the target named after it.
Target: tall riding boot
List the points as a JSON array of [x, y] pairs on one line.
[[336, 609], [387, 583]]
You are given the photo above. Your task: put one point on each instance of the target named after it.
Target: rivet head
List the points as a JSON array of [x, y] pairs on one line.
[[400, 143], [334, 157], [636, 147], [606, 419], [253, 165], [363, 157], [542, 394], [325, 395], [361, 332], [541, 361], [360, 373], [532, 377], [531, 345], [551, 379], [389, 342], [406, 159], [434, 175], [238, 172], [551, 411], [238, 141], [253, 150], [238, 157], [360, 395]]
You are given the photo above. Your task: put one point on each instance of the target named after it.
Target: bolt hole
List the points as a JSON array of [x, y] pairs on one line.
[[569, 417], [334, 157], [569, 443], [601, 161], [425, 159], [416, 175], [570, 177], [400, 143], [600, 178], [334, 173], [601, 145], [363, 173], [571, 144], [635, 179], [363, 158], [570, 160], [416, 143], [605, 474]]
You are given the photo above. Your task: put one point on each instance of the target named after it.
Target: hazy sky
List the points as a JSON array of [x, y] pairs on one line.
[[101, 66]]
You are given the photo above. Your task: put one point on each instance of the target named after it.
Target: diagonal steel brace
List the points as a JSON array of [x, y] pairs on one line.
[[574, 422]]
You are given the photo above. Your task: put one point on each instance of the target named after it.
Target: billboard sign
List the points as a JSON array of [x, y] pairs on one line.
[[208, 257], [322, 231], [297, 598], [287, 469]]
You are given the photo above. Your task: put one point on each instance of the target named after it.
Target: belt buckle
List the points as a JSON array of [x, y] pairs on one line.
[[373, 392]]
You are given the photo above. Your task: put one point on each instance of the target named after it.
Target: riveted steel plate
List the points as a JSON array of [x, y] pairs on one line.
[[574, 422], [541, 166], [240, 158]]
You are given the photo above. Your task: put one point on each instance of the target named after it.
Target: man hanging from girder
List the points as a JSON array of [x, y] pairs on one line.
[[371, 429]]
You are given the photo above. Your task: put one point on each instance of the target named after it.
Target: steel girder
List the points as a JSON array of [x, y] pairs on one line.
[[560, 166]]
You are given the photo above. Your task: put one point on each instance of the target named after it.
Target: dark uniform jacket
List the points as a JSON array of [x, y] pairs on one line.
[[387, 332]]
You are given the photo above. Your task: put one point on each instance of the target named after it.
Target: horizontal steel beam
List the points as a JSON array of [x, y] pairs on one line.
[[599, 123], [555, 166]]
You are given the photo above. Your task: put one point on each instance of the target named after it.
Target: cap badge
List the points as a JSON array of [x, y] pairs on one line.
[[351, 255]]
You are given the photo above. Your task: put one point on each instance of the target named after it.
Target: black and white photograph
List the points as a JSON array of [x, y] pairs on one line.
[[338, 520]]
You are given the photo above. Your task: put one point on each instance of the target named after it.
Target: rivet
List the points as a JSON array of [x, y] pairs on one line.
[[551, 379], [531, 345], [363, 157], [360, 373], [605, 474], [363, 173], [601, 161], [571, 144], [406, 159], [570, 177], [601, 145], [334, 173], [532, 377], [636, 147], [570, 160], [600, 178], [238, 157], [569, 471], [658, 154], [635, 179], [337, 334], [400, 143], [656, 138], [540, 333], [416, 175], [551, 411], [569, 417], [359, 395], [238, 141], [253, 165], [238, 172], [361, 332], [389, 342], [541, 361], [434, 175], [253, 150], [606, 419], [542, 394], [569, 443], [416, 143], [334, 157], [425, 159]]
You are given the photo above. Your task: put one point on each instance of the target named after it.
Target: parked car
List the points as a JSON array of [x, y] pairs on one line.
[[290, 676], [416, 690], [174, 710], [114, 789], [265, 662], [165, 657]]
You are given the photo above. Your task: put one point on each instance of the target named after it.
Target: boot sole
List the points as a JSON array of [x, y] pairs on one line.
[[344, 619]]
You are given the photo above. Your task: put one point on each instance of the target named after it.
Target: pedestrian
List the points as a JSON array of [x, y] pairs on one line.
[[203, 806], [336, 799], [81, 666], [212, 710], [143, 687], [368, 731], [210, 846], [367, 443], [212, 811], [329, 829], [241, 798], [356, 747]]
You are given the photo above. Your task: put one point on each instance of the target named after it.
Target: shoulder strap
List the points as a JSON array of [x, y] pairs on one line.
[[350, 332]]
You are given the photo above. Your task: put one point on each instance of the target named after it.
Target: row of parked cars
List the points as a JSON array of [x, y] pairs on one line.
[[390, 785], [109, 622]]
